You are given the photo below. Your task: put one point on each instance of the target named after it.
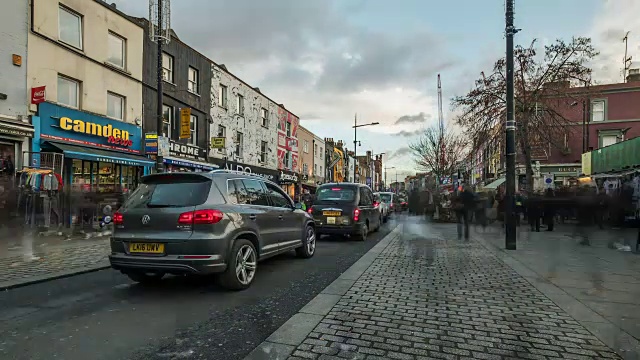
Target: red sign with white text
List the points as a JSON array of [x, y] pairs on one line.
[[38, 94]]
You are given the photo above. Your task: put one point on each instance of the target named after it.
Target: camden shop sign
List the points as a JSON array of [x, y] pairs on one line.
[[287, 177], [186, 151]]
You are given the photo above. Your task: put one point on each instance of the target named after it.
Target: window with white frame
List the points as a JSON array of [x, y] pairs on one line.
[[222, 132], [167, 67], [193, 127], [288, 127], [68, 91], [117, 50], [265, 117], [305, 169], [597, 110], [115, 106], [193, 85], [239, 139], [315, 149], [315, 169], [167, 120], [240, 104], [306, 146], [607, 140], [70, 27], [287, 160], [264, 146], [222, 96]]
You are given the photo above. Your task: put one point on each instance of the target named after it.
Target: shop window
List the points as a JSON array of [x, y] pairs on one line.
[[167, 120], [167, 67], [222, 132], [222, 96], [239, 143], [68, 91], [108, 176], [193, 84], [115, 106], [265, 117], [193, 126], [81, 172], [240, 105], [70, 27], [264, 146], [117, 50]]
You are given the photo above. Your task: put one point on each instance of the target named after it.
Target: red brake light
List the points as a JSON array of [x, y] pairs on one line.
[[199, 217], [118, 219], [310, 210], [336, 189], [356, 214], [376, 204]]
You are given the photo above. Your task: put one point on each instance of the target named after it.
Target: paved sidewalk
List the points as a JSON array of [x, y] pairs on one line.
[[420, 294], [600, 279], [32, 259]]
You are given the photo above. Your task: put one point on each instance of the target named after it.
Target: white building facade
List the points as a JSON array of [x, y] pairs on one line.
[[319, 161], [247, 120], [15, 127], [352, 169]]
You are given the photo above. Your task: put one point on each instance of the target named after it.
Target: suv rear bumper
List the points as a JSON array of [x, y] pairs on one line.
[[168, 264]]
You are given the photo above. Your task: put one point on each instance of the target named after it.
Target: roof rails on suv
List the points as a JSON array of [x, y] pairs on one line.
[[217, 171]]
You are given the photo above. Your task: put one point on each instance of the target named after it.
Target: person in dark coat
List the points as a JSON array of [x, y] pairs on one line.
[[549, 209], [534, 210]]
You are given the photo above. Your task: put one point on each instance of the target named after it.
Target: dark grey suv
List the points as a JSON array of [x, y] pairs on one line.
[[202, 223]]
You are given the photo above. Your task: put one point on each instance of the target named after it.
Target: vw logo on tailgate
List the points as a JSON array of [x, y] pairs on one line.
[[146, 219]]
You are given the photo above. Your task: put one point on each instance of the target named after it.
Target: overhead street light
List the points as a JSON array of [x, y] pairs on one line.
[[355, 138]]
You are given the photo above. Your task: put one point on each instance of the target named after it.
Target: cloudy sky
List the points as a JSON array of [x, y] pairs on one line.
[[327, 60]]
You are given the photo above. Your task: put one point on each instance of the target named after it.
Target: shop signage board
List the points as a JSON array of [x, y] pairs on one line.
[[82, 128], [218, 142], [265, 173], [38, 94], [151, 144], [185, 123], [187, 151], [9, 130], [287, 177]]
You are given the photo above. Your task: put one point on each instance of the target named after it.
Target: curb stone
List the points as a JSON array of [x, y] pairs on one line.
[[281, 343], [624, 344], [13, 284]]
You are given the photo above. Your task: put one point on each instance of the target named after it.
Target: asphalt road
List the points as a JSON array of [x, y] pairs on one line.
[[103, 315]]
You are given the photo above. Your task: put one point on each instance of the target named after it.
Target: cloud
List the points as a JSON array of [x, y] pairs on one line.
[[614, 19], [412, 119], [400, 152], [409, 133]]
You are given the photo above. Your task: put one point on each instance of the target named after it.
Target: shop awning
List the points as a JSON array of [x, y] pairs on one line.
[[189, 163], [93, 154], [495, 184]]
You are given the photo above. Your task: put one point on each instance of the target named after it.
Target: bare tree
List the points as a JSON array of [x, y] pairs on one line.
[[543, 92], [439, 152]]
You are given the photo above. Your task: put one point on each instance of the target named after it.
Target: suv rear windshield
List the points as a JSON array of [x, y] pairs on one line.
[[336, 193], [385, 197], [170, 191]]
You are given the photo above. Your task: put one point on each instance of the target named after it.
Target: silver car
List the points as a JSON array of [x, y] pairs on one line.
[[203, 223]]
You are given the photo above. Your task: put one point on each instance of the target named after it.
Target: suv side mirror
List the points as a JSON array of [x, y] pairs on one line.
[[298, 206]]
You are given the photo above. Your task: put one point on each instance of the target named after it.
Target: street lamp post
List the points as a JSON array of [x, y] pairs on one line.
[[386, 171], [355, 141], [510, 146]]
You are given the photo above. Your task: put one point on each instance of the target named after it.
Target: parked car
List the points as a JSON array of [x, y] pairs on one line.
[[392, 200], [203, 223], [345, 209], [383, 201]]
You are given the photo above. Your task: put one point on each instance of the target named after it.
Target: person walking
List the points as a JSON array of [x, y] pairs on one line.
[[463, 204]]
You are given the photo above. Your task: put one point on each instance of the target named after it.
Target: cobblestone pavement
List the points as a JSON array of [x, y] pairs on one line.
[[74, 256], [425, 297]]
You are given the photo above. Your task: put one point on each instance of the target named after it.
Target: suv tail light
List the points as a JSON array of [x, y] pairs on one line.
[[310, 210], [356, 214], [200, 217], [376, 204], [118, 219]]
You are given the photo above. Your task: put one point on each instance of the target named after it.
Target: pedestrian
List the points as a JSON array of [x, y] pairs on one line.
[[463, 204]]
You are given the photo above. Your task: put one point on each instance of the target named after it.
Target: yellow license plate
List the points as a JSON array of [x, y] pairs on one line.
[[331, 213], [147, 248], [331, 220]]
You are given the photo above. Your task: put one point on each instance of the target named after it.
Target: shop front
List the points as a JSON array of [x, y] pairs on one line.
[[90, 152], [268, 174], [289, 181], [186, 157], [15, 136]]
